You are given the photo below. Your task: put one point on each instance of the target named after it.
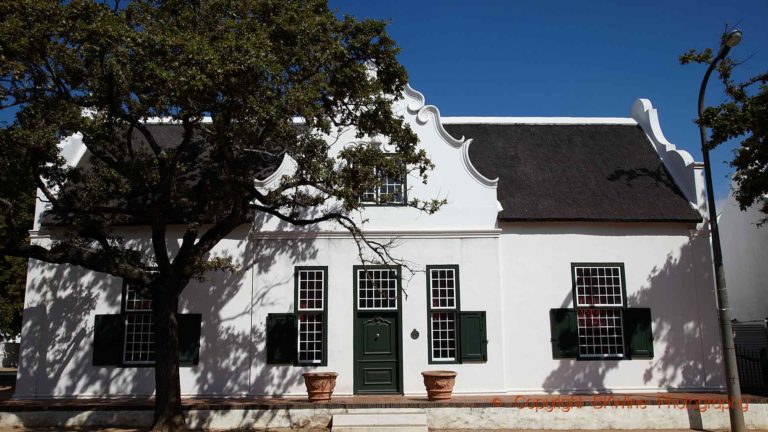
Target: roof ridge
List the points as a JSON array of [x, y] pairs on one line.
[[612, 121]]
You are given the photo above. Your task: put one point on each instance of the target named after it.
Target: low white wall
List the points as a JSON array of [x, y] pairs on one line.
[[650, 417]]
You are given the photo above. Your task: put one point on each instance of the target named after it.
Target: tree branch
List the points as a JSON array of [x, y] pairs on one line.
[[67, 254]]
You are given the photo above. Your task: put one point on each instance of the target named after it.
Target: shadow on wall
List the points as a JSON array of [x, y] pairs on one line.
[[57, 349], [227, 349], [682, 363], [691, 355]]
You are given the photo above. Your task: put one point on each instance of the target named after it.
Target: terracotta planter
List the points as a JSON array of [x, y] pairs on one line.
[[320, 385], [439, 384]]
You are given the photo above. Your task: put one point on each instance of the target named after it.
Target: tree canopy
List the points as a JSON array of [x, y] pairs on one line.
[[13, 275], [742, 116], [248, 81]]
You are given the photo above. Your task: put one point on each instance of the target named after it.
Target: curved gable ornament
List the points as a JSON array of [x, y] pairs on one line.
[[286, 168], [679, 163], [424, 113]]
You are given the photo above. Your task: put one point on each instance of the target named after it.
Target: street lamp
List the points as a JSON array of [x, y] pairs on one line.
[[729, 40]]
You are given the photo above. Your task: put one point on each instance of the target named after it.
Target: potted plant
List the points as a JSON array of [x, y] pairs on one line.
[[439, 384], [320, 385]]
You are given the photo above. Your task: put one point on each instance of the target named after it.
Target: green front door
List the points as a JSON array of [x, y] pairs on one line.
[[377, 366], [377, 355]]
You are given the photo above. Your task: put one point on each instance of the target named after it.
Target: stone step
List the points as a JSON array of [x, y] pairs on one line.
[[361, 420]]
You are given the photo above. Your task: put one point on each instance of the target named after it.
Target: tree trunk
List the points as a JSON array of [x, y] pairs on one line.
[[168, 413]]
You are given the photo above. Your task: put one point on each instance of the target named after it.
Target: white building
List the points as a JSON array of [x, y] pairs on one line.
[[745, 252], [569, 258]]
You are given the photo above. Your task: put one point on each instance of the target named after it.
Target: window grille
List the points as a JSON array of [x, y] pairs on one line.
[[377, 289], [600, 332], [310, 308], [139, 344], [443, 307], [599, 299], [391, 190], [599, 286]]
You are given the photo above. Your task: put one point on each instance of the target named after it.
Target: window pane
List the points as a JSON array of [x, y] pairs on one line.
[[391, 190], [369, 197], [134, 301], [443, 327], [442, 284], [600, 332], [377, 289], [599, 286], [139, 338], [311, 283], [310, 338]]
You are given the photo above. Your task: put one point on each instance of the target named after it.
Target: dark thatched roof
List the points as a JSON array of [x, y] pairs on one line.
[[575, 173], [558, 172]]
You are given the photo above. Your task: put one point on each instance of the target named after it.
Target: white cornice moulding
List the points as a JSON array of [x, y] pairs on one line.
[[206, 119], [379, 234], [170, 120], [679, 163], [542, 120], [424, 113]]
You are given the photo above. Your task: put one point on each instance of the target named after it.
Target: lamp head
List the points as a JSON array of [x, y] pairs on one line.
[[732, 38]]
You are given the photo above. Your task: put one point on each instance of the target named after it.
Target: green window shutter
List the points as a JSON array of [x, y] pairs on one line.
[[564, 333], [473, 339], [189, 338], [281, 338], [108, 340], [638, 332]]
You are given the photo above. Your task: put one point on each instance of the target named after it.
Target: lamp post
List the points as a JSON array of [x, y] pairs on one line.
[[730, 40]]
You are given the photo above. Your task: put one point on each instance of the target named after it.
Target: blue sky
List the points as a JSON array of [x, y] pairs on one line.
[[568, 58]]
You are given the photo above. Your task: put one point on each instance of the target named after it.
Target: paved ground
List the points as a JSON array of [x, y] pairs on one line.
[[309, 430], [539, 402], [366, 401]]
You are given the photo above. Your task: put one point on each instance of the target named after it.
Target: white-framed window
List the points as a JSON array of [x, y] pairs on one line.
[[139, 329], [599, 286], [599, 296], [601, 332], [377, 289], [390, 191], [442, 309], [311, 290]]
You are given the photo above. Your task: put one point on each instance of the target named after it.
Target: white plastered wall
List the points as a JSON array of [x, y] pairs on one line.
[[745, 252], [663, 271], [62, 302]]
